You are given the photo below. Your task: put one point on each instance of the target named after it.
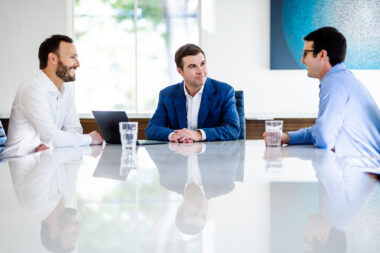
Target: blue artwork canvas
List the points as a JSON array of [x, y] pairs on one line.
[[357, 20]]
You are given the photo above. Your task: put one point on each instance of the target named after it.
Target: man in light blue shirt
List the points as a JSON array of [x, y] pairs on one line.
[[348, 119]]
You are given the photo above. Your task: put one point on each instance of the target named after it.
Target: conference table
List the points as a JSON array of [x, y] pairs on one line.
[[232, 196]]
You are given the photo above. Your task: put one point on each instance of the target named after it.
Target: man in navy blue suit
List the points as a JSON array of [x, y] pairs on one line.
[[197, 109]]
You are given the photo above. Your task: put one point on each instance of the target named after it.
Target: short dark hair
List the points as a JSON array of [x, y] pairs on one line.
[[189, 229], [185, 50], [53, 244], [50, 45], [49, 243], [331, 40], [336, 242]]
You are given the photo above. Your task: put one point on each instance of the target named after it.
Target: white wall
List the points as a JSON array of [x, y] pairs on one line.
[[235, 38], [24, 24]]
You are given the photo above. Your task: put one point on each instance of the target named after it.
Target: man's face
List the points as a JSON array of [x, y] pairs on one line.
[[194, 71], [313, 63], [194, 206], [69, 228], [67, 61]]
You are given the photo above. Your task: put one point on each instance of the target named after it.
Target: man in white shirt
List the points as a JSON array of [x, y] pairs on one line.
[[43, 111]]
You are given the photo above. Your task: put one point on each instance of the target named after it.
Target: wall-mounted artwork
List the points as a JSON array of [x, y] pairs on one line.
[[358, 20]]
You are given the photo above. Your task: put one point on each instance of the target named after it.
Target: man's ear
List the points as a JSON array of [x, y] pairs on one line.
[[323, 53], [180, 71], [324, 56], [53, 58]]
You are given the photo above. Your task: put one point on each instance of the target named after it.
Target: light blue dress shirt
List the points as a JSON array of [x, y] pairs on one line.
[[348, 118], [3, 138]]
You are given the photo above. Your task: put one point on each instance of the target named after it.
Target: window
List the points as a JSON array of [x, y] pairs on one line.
[[126, 50]]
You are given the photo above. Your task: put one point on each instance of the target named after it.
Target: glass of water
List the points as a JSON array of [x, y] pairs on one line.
[[128, 134], [273, 132]]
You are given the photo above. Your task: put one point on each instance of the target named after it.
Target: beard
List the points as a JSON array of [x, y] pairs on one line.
[[63, 72]]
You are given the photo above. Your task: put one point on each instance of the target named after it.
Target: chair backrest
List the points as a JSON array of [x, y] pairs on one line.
[[3, 138], [239, 97]]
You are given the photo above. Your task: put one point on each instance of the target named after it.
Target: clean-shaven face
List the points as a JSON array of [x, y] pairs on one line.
[[194, 71], [312, 62]]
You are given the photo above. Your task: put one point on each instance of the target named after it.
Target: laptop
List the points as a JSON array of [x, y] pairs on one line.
[[108, 123]]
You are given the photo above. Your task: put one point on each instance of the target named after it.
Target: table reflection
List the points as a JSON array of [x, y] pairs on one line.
[[296, 199], [344, 186], [45, 184], [116, 162], [199, 172]]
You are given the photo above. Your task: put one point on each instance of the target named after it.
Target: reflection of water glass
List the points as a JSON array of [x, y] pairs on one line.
[[128, 134], [273, 158], [128, 161], [273, 132]]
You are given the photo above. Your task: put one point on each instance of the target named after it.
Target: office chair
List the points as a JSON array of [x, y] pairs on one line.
[[239, 97]]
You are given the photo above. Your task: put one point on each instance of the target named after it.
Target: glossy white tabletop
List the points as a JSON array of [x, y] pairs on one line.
[[234, 196]]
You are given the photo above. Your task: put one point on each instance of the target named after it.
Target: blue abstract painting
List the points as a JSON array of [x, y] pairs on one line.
[[357, 20]]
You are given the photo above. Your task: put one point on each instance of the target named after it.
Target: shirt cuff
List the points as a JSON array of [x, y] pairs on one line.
[[204, 137], [203, 148], [170, 135], [86, 139]]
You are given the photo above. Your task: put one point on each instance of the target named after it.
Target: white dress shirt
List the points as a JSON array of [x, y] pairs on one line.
[[192, 108], [42, 114], [193, 171], [43, 179]]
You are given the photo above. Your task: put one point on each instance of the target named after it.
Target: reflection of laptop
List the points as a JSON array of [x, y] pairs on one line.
[[109, 164], [108, 123]]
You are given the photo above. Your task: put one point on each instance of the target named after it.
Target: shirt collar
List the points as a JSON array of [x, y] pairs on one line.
[[198, 93], [334, 69], [49, 86]]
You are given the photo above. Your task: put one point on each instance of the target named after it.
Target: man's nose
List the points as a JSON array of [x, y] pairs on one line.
[[77, 63]]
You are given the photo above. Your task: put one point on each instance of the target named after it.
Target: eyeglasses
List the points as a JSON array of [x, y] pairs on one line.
[[304, 53]]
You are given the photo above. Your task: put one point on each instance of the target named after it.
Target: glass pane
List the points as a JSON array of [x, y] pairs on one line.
[[106, 44], [106, 49], [163, 26]]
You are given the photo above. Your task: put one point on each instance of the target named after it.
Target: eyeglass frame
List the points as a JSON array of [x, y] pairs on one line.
[[304, 52]]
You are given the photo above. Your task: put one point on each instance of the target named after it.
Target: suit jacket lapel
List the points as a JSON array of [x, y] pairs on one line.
[[180, 106], [206, 103]]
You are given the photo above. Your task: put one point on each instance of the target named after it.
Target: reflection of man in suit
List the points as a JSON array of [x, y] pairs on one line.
[[197, 109], [198, 172], [45, 183]]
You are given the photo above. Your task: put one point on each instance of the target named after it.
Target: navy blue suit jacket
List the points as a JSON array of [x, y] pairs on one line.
[[217, 114]]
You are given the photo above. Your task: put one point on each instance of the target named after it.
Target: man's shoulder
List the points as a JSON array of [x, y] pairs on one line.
[[171, 89], [219, 87], [340, 81], [35, 84], [219, 84]]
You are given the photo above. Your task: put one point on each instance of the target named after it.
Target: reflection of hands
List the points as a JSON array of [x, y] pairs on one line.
[[96, 138], [96, 150], [284, 138], [41, 147], [186, 135], [186, 149], [317, 228]]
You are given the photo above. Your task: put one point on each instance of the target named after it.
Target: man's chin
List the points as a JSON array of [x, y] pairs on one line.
[[201, 82], [68, 79]]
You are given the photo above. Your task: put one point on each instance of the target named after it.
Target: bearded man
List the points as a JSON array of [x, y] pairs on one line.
[[43, 112]]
